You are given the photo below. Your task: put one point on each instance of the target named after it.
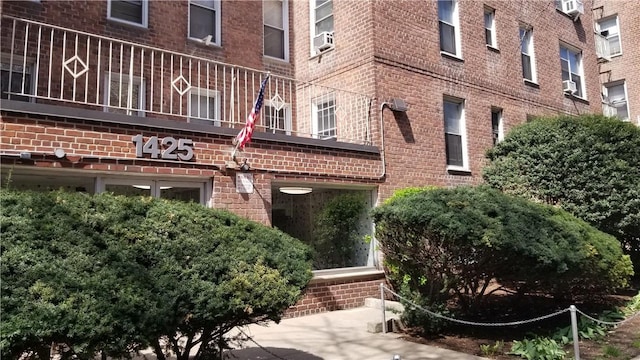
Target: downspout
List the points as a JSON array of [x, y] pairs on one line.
[[382, 151]]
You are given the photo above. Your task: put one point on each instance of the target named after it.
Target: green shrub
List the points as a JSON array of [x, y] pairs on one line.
[[587, 165], [538, 349], [336, 231], [453, 242], [114, 274]]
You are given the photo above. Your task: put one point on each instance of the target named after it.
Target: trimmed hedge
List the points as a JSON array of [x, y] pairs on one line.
[[112, 273], [444, 243], [587, 165]]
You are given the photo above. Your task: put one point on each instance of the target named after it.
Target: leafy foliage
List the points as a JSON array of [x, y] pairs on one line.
[[538, 348], [114, 274], [588, 165], [336, 231], [453, 242]]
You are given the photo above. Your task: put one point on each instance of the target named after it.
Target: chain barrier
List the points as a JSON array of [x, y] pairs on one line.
[[465, 322], [612, 323]]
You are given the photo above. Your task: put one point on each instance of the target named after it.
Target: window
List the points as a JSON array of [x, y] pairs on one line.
[[449, 29], [610, 29], [276, 24], [124, 97], [615, 100], [203, 107], [496, 125], [16, 80], [528, 57], [321, 15], [324, 124], [172, 190], [571, 63], [490, 27], [204, 21], [455, 133], [129, 11], [277, 120]]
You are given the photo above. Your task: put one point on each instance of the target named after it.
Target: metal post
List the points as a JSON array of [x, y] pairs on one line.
[[384, 320], [574, 330]]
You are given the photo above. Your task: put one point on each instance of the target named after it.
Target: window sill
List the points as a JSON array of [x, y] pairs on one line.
[[577, 98], [451, 56], [321, 53], [531, 83], [201, 42], [493, 48], [275, 59], [458, 170], [127, 23]]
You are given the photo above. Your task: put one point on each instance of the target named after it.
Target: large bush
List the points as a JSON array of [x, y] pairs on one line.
[[445, 243], [588, 165], [111, 273]]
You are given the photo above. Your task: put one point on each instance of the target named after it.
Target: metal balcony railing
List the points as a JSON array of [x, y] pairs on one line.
[[603, 50], [53, 65]]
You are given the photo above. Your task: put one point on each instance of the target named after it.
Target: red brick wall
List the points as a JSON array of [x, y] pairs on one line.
[[626, 66], [329, 295]]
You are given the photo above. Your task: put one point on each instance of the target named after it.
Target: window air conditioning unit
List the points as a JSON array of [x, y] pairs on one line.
[[573, 8], [323, 41], [569, 87]]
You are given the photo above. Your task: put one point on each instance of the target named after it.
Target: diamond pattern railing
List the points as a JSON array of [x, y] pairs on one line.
[[54, 65]]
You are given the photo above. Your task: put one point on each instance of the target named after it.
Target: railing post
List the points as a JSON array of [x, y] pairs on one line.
[[384, 320], [574, 330]]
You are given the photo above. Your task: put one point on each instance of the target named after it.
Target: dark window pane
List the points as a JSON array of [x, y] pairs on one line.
[[127, 10], [274, 42], [202, 23], [15, 86], [487, 36], [454, 150], [526, 67], [447, 38]]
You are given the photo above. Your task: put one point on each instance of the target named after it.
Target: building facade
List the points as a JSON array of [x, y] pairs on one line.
[[362, 98], [617, 27]]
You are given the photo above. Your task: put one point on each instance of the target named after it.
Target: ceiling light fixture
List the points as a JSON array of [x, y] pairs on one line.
[[295, 190]]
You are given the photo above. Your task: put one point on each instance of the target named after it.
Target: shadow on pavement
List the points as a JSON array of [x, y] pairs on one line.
[[269, 353]]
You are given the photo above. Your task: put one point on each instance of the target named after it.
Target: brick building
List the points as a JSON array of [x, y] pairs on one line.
[[363, 97], [617, 26]]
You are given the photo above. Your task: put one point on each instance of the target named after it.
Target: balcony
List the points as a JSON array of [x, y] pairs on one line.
[[59, 68], [603, 50]]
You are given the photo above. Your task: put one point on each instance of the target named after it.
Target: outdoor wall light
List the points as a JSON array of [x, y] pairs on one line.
[[295, 190]]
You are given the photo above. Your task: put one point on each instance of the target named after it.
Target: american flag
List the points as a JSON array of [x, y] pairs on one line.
[[245, 134]]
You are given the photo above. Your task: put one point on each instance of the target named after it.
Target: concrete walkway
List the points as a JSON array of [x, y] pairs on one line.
[[336, 335]]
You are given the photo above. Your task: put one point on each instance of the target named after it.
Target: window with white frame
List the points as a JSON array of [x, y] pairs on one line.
[[615, 100], [129, 11], [455, 134], [204, 106], [610, 29], [324, 118], [277, 120], [276, 28], [527, 54], [490, 27], [124, 96], [204, 21], [449, 27], [16, 81], [321, 15], [497, 130], [571, 63]]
